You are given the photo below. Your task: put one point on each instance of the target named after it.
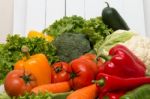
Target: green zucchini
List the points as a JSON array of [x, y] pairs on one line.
[[113, 19], [142, 92]]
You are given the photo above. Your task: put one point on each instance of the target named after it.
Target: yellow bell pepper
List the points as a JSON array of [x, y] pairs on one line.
[[34, 33], [49, 38]]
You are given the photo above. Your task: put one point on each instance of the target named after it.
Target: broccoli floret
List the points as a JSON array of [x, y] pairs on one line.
[[71, 45]]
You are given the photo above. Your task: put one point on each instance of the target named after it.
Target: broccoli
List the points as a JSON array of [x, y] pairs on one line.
[[71, 45]]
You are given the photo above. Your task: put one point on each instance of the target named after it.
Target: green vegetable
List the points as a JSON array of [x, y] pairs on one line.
[[71, 45], [66, 24], [10, 52], [142, 92], [61, 95], [38, 96], [119, 36], [113, 19], [94, 29]]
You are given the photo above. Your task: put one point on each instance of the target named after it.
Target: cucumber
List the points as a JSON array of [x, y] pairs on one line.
[[113, 19]]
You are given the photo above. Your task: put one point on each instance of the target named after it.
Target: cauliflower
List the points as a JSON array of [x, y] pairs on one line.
[[140, 46]]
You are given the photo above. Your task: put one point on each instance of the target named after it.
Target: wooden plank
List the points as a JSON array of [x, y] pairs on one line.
[[134, 15], [35, 19], [93, 8], [55, 9], [19, 17], [147, 16], [75, 7], [6, 19]]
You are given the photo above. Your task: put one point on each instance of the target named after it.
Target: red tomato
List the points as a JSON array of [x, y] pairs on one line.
[[90, 63], [92, 57], [89, 56], [81, 74], [17, 82], [60, 72]]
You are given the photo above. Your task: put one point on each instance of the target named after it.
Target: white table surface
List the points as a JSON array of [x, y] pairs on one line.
[[1, 88]]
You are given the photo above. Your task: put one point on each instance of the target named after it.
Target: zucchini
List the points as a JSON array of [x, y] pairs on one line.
[[113, 19], [141, 92]]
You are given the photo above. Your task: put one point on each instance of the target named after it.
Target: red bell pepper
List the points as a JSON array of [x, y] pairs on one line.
[[108, 83], [115, 49], [123, 63]]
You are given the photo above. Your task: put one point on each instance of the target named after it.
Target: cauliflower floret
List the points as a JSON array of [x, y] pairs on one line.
[[140, 46]]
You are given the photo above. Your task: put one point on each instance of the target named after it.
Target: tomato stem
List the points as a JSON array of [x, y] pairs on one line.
[[26, 78], [58, 69], [73, 75]]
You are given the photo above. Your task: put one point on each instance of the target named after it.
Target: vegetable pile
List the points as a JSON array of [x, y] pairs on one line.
[[76, 58], [10, 52], [94, 28]]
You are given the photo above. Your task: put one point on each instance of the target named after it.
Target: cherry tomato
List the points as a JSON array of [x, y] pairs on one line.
[[17, 82], [60, 72], [81, 74]]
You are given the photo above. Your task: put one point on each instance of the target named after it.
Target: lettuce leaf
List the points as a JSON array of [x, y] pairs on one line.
[[119, 36]]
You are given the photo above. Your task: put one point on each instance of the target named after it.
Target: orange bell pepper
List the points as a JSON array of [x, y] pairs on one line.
[[38, 65]]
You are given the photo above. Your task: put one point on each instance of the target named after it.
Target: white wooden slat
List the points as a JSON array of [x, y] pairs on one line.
[[55, 9], [93, 8], [147, 16], [75, 7], [35, 19], [19, 17], [134, 15]]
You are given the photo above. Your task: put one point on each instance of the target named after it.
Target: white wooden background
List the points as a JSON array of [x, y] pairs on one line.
[[39, 14]]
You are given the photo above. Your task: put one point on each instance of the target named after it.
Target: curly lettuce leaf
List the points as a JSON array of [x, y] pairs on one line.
[[94, 28]]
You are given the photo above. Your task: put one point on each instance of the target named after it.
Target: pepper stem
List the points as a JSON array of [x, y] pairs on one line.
[[25, 50], [107, 4], [100, 82], [105, 57]]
